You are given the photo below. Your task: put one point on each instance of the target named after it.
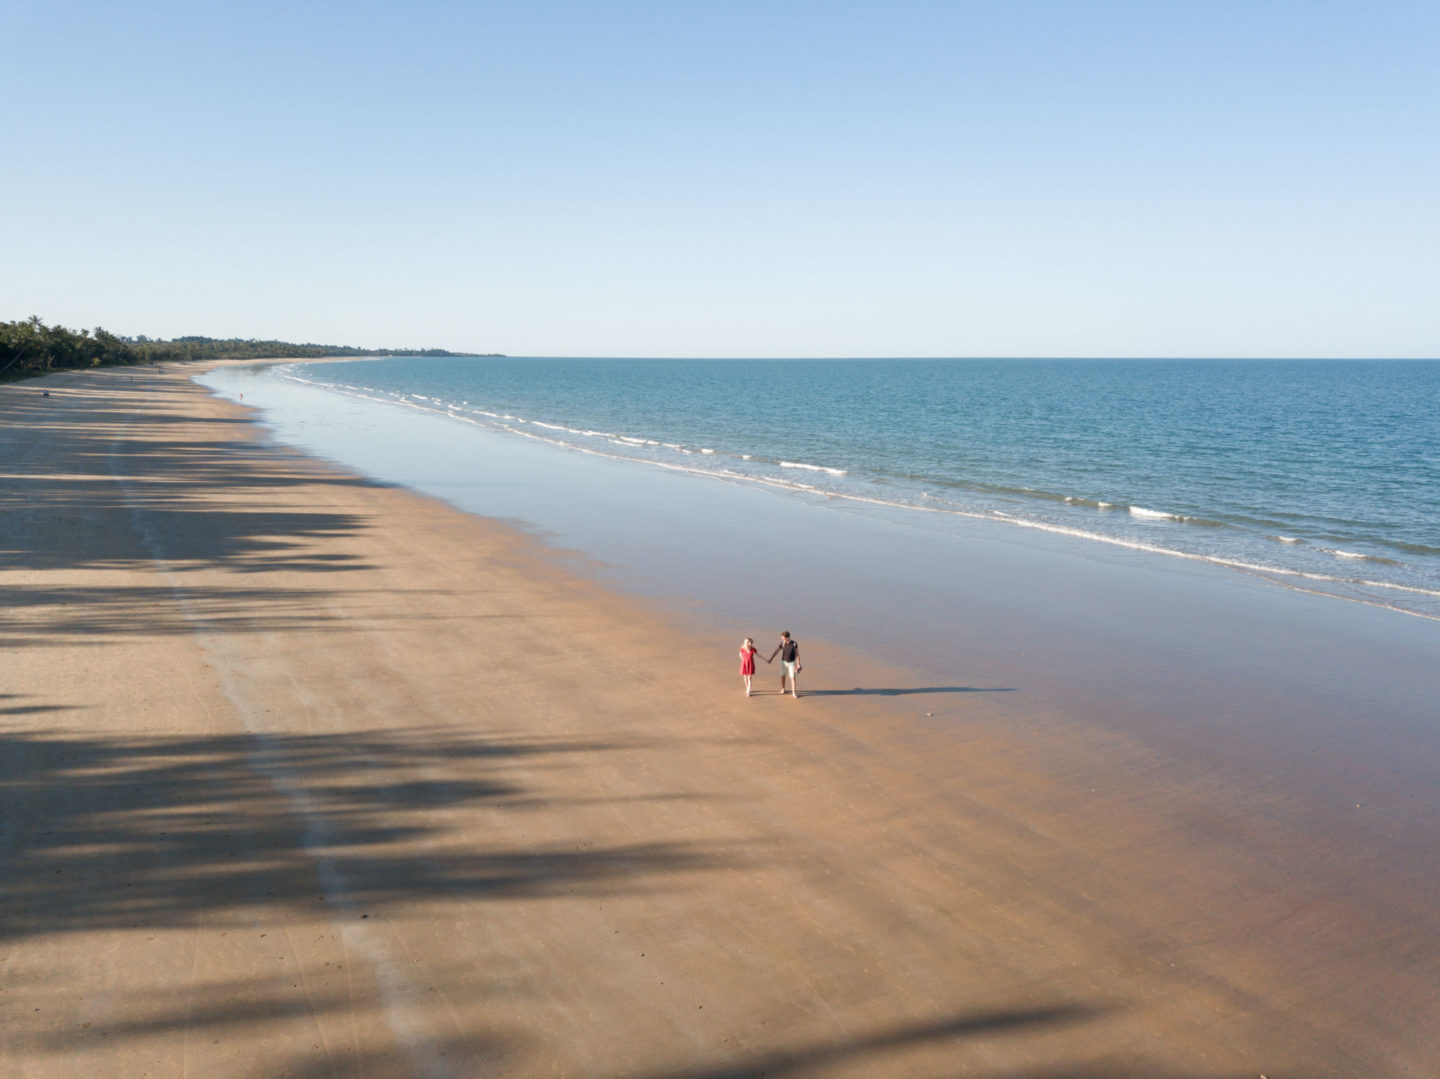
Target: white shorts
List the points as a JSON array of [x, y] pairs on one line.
[[790, 668]]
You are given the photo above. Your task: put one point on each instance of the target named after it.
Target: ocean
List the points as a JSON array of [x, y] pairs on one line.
[[1321, 476]]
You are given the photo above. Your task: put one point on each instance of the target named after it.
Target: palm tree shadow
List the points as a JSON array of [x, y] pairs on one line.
[[142, 831], [810, 1058]]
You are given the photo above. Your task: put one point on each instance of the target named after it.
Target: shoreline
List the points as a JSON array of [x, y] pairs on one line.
[[490, 806], [1214, 534]]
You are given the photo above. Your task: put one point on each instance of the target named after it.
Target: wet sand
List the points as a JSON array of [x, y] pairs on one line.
[[308, 776]]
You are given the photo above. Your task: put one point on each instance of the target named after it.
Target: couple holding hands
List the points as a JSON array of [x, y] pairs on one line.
[[788, 651]]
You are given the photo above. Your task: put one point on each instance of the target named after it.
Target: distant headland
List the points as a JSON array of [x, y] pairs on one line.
[[30, 347]]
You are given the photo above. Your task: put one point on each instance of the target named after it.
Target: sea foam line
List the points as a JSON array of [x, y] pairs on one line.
[[814, 468]]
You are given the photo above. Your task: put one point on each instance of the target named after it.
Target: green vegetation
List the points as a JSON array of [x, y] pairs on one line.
[[31, 348]]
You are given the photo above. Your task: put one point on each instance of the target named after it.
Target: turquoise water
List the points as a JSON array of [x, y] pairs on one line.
[[1319, 475]]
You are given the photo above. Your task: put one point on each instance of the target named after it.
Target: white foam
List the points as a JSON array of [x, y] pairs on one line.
[[814, 468], [1151, 515]]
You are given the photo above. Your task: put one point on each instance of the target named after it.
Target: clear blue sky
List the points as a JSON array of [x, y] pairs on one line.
[[730, 179]]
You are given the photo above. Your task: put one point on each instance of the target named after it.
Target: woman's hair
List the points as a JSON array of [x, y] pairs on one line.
[[748, 640]]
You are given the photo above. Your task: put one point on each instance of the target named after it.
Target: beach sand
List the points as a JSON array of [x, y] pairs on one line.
[[308, 776]]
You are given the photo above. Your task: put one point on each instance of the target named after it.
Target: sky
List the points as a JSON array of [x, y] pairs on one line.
[[675, 178]]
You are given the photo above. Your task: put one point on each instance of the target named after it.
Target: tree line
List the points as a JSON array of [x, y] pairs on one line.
[[30, 347]]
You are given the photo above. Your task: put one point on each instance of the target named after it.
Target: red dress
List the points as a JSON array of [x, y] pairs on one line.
[[747, 661]]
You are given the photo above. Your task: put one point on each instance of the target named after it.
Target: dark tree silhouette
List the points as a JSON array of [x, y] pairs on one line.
[[30, 347]]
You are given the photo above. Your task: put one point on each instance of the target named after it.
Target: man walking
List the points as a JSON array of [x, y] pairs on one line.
[[789, 652]]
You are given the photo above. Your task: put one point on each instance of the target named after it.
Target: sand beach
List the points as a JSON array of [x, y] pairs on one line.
[[307, 775]]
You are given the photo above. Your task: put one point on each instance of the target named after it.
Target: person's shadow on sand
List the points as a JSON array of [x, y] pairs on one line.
[[858, 691]]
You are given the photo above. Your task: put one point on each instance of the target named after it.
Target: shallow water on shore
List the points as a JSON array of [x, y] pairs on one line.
[[1323, 475]]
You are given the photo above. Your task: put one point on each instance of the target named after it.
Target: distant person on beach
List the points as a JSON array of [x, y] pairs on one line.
[[789, 652], [747, 662]]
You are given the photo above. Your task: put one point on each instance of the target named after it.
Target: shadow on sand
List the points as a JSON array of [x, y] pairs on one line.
[[863, 1053], [899, 691], [151, 832], [104, 481]]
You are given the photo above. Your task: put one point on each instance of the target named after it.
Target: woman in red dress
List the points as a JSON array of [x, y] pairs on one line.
[[747, 662]]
